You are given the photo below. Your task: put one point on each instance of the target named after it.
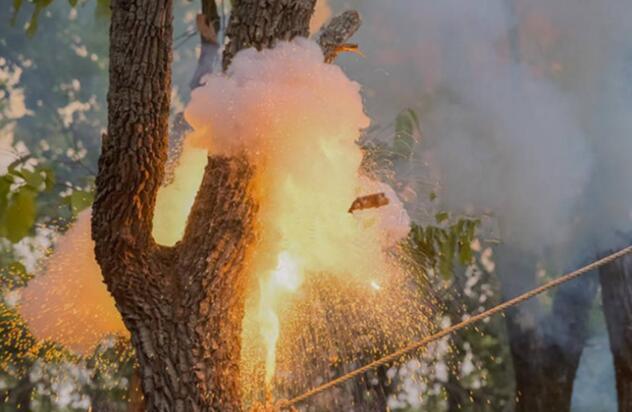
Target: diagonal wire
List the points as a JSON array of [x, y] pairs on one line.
[[284, 404]]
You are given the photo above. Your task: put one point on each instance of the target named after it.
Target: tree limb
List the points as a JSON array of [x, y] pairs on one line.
[[258, 24], [335, 33], [134, 150]]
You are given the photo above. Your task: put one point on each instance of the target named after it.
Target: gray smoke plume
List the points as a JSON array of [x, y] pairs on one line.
[[525, 108], [526, 114]]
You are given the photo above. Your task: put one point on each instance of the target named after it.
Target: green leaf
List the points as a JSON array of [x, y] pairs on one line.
[[19, 216], [79, 200], [103, 9], [5, 187], [465, 253], [12, 168], [73, 3], [33, 179], [33, 24], [442, 217], [17, 5], [406, 124], [49, 178]]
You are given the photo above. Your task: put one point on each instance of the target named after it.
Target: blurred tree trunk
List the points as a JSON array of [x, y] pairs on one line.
[[184, 304], [616, 294], [136, 401], [546, 348]]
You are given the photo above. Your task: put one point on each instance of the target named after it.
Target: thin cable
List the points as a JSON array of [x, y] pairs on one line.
[[447, 331]]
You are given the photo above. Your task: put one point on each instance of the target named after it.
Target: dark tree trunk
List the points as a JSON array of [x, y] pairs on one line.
[[261, 23], [184, 304], [616, 293], [546, 348]]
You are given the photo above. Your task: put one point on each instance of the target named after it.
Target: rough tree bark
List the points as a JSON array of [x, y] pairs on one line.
[[260, 24], [616, 294], [184, 304], [546, 349]]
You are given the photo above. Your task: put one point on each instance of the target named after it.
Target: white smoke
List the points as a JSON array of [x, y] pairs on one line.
[[525, 108]]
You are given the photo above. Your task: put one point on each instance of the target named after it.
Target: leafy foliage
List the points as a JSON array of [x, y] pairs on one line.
[[466, 371], [439, 246], [19, 191]]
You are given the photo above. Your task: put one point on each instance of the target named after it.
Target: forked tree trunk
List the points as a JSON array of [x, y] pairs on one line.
[[616, 293], [184, 304]]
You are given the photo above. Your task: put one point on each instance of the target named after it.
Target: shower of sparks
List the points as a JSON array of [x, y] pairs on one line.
[[327, 288]]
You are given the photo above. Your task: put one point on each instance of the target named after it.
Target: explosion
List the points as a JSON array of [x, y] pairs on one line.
[[298, 120], [319, 256]]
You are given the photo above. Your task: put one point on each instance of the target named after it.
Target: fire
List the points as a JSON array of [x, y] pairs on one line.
[[298, 119], [285, 278]]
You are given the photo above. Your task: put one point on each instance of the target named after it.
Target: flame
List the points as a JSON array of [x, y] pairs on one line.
[[285, 278], [298, 121]]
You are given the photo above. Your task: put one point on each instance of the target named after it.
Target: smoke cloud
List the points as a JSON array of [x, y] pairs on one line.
[[525, 108]]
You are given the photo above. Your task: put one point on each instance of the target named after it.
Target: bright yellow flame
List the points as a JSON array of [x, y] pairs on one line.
[[283, 279]]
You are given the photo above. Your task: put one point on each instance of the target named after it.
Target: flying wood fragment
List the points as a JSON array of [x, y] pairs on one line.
[[346, 47], [369, 202]]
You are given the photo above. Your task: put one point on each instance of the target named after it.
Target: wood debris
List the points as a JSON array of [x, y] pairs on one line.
[[372, 201], [342, 48]]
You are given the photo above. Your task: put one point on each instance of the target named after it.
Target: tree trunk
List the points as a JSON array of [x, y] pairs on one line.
[[261, 23], [184, 304], [616, 294], [546, 349]]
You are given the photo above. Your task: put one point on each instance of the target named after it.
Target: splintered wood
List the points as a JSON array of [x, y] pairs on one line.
[[346, 47], [369, 202]]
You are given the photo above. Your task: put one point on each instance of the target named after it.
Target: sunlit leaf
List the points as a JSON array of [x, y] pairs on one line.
[[49, 178], [442, 217], [33, 179], [406, 127], [19, 216], [79, 200]]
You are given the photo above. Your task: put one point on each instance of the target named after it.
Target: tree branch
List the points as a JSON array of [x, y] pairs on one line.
[[208, 26], [134, 150], [261, 24], [339, 29]]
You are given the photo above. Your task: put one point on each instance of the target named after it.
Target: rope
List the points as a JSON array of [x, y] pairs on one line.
[[445, 332]]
